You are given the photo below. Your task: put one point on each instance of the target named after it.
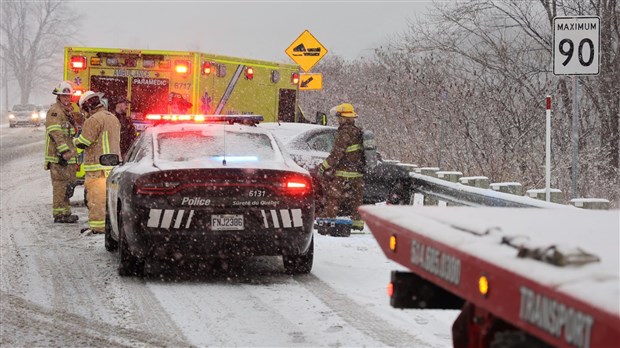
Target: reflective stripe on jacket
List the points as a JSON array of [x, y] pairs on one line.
[[59, 132], [347, 157], [100, 136]]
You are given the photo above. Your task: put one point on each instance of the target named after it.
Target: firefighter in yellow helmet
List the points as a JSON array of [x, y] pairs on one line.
[[100, 135], [60, 153], [342, 171]]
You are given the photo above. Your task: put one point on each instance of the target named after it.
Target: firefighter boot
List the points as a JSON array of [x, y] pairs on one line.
[[66, 218]]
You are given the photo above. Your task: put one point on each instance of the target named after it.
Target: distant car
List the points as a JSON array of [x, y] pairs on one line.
[[208, 191], [43, 112], [25, 114], [309, 144]]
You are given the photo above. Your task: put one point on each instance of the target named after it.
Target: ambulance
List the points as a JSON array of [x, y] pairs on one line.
[[179, 82]]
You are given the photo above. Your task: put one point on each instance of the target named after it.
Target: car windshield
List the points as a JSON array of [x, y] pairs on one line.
[[192, 145], [26, 107]]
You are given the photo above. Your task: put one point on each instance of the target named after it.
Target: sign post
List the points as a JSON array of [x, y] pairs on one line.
[[548, 149], [576, 51]]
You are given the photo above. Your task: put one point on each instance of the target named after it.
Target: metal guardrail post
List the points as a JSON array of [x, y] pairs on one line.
[[590, 203]]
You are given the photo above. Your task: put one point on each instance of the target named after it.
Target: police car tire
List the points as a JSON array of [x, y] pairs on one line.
[[110, 244], [129, 264], [12, 125], [299, 264], [515, 339]]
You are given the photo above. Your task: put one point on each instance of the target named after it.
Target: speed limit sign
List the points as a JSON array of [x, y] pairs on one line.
[[576, 45]]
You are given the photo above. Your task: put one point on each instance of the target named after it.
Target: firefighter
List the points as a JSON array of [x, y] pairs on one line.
[[128, 130], [60, 154], [342, 171], [100, 135]]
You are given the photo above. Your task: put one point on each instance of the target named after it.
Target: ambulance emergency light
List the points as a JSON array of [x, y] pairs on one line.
[[249, 73], [78, 63], [182, 66], [206, 68]]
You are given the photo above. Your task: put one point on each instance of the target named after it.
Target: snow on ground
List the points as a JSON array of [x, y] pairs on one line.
[[59, 289]]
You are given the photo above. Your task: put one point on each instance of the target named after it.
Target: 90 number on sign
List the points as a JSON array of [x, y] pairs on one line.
[[571, 50]]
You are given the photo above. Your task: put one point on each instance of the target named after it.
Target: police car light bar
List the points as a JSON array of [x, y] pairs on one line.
[[169, 118]]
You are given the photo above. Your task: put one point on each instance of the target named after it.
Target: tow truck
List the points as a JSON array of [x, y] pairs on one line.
[[521, 277], [186, 82]]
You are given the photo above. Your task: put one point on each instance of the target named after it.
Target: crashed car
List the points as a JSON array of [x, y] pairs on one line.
[[310, 144], [25, 115], [208, 190]]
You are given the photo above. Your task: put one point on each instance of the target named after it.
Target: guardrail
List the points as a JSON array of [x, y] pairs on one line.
[[427, 190]]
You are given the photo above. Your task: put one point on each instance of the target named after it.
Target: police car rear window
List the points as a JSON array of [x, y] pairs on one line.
[[188, 145]]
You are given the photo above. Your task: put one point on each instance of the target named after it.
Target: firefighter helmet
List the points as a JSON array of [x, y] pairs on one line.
[[343, 110], [90, 100], [63, 88]]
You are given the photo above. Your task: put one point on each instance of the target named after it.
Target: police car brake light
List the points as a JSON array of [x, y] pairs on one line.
[[297, 185], [145, 187]]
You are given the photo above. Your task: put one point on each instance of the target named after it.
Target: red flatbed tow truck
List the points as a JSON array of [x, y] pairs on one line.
[[522, 277]]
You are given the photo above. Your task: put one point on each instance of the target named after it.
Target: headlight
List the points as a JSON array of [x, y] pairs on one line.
[[11, 116], [35, 115], [42, 114]]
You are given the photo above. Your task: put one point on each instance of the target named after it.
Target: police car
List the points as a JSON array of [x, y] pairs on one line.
[[209, 187]]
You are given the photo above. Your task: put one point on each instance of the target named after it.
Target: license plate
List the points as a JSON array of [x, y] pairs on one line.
[[227, 222]]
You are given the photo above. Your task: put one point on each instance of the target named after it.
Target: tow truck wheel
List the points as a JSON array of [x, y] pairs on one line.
[[515, 339], [299, 264], [110, 244], [129, 265]]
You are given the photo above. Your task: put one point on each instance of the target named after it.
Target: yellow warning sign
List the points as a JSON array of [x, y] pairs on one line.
[[310, 81], [306, 51]]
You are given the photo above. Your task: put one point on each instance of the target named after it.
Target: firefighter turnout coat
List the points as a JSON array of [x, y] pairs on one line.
[[344, 171], [100, 135], [60, 127]]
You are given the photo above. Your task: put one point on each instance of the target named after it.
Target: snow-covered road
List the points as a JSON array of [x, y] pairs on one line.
[[60, 289]]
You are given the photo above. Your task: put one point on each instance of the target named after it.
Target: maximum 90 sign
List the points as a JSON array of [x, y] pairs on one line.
[[576, 47]]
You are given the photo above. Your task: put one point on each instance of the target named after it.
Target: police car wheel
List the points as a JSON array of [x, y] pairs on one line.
[[129, 264], [299, 264], [110, 244]]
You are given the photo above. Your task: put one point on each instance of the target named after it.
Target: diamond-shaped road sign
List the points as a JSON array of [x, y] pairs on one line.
[[306, 51], [310, 82]]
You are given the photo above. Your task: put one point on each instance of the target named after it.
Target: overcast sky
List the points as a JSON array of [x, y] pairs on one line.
[[246, 29], [249, 29]]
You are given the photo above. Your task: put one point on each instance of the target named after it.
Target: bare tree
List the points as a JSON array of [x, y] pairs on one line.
[[33, 33], [464, 90]]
